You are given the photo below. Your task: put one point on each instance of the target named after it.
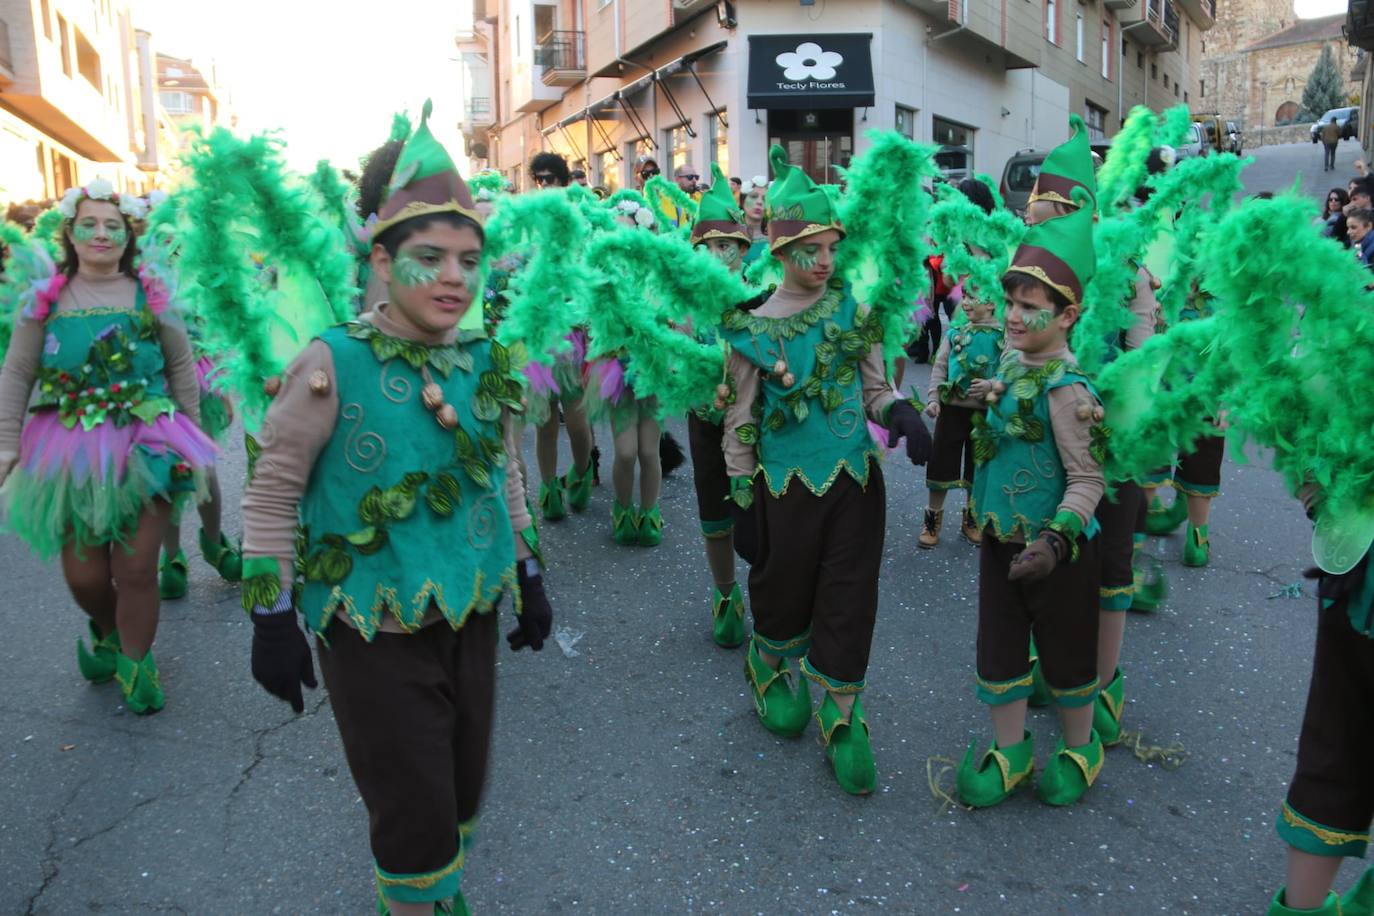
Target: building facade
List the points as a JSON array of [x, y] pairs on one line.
[[77, 98], [1260, 56], [698, 81]]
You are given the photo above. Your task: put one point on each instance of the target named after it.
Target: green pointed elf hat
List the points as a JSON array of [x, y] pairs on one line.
[[1068, 166], [425, 181], [1059, 252], [796, 207], [718, 213]]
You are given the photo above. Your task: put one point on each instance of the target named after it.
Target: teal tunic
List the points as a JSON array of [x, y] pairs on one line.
[[814, 428], [974, 352], [401, 514], [1020, 480]]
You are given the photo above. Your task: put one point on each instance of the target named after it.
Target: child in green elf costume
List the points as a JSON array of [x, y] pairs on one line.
[[1038, 481], [720, 230], [384, 508], [807, 369]]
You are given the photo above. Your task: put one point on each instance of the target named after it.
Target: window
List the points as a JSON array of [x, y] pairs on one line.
[[1106, 49], [1202, 88], [606, 171], [1078, 35], [905, 122], [720, 145], [1166, 81], [1140, 60], [955, 156], [64, 46], [47, 20], [88, 62], [1052, 21], [1185, 97], [1096, 118], [1154, 71], [1175, 89], [679, 150], [176, 102]]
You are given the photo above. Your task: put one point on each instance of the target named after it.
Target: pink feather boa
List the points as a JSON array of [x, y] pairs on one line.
[[155, 293]]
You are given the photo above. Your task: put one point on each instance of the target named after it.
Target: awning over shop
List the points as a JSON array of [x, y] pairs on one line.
[[811, 71]]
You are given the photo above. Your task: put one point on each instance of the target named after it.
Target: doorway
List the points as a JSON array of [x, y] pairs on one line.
[[815, 140]]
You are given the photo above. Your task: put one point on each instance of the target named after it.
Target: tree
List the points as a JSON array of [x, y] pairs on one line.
[[1325, 89]]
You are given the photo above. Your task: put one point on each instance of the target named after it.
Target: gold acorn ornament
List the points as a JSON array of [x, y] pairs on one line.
[[779, 367], [271, 385], [447, 416], [319, 382], [433, 396], [788, 380], [722, 391]]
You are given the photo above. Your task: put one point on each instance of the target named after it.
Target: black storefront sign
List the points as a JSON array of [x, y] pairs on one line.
[[811, 71]]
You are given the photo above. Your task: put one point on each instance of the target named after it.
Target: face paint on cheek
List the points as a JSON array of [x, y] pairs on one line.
[[119, 236], [804, 258], [410, 272], [1037, 319], [83, 234], [472, 279], [727, 255]]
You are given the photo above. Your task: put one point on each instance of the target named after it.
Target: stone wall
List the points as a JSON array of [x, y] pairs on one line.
[[1274, 136]]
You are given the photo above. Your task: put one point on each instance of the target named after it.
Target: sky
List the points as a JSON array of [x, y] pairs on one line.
[[330, 74], [1309, 9]]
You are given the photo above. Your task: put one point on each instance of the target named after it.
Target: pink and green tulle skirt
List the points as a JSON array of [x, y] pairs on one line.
[[92, 486], [215, 412]]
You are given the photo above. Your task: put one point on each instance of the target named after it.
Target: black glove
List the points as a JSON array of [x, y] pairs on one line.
[[1039, 558], [904, 420], [281, 657], [535, 619]]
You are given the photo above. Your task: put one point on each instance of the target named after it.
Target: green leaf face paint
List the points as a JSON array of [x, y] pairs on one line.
[[726, 251], [805, 256], [85, 232], [1036, 319], [472, 278], [416, 268]]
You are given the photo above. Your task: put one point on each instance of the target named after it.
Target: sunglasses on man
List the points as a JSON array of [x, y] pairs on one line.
[[543, 178], [648, 173], [690, 176]]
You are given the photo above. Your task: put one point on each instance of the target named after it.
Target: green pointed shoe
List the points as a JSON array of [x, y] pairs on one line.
[[1151, 585], [651, 527], [223, 556], [783, 709], [1332, 907], [551, 502], [1359, 900], [1107, 711], [1070, 771], [579, 487], [1040, 691], [1000, 771], [1160, 520], [625, 524], [727, 617], [172, 576], [1197, 550], [99, 663], [847, 746], [140, 683]]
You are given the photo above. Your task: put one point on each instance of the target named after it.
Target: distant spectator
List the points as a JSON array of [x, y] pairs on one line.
[[579, 176], [550, 170], [647, 168], [1333, 219], [1360, 222], [1361, 196], [1331, 135], [687, 177]]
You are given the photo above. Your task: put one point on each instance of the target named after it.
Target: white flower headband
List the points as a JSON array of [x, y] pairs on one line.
[[753, 184], [641, 215], [131, 205]]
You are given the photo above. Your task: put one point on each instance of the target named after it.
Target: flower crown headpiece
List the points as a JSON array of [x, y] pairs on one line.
[[131, 205], [758, 182], [642, 215]]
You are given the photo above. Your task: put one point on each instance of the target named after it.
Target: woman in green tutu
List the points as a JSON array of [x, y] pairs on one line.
[[91, 470]]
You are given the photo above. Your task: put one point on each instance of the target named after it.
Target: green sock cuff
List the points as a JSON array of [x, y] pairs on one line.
[[1073, 697], [795, 647], [1307, 835], [829, 683], [717, 528], [1116, 598], [1000, 693], [429, 887]]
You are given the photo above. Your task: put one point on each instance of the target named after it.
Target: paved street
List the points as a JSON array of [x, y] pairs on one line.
[[629, 773]]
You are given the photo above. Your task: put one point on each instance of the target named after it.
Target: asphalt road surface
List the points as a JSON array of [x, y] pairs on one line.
[[629, 773]]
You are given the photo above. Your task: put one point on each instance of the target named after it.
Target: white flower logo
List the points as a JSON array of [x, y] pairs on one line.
[[809, 61]]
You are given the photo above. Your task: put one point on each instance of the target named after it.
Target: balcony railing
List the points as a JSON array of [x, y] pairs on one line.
[[479, 106], [1359, 24], [563, 56]]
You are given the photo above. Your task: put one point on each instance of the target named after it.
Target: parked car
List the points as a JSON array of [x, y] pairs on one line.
[[1233, 133], [1347, 118], [1020, 172], [1194, 144]]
